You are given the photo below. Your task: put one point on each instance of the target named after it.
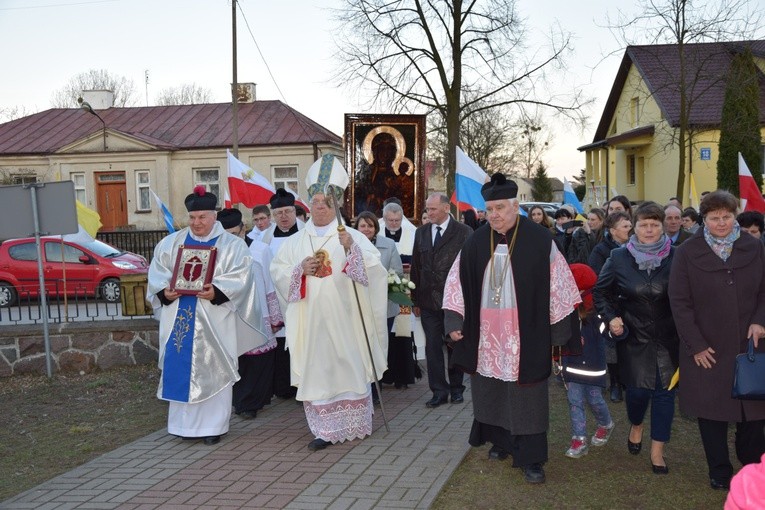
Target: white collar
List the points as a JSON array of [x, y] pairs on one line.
[[442, 225]]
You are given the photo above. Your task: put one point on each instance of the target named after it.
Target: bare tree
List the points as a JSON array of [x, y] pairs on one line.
[[413, 55], [684, 22], [495, 140], [13, 112], [486, 138], [532, 140], [95, 79], [188, 93]]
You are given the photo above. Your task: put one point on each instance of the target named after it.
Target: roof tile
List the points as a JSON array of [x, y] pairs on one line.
[[180, 127]]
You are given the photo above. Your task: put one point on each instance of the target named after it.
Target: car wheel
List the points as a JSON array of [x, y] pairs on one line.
[[110, 290], [7, 294]]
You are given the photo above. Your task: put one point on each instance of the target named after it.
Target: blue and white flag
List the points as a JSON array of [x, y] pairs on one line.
[[468, 181], [569, 197], [169, 223]]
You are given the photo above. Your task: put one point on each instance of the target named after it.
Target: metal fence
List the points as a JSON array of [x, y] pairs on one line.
[[77, 305], [141, 242]]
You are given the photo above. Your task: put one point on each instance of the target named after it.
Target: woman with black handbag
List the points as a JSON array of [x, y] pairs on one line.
[[717, 293]]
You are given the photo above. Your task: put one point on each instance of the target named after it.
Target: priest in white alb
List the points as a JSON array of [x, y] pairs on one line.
[[315, 272], [202, 333]]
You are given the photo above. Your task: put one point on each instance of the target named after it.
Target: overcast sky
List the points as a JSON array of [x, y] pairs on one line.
[[46, 42]]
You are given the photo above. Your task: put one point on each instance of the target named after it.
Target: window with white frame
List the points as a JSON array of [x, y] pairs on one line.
[[142, 194], [80, 192], [285, 177], [209, 178]]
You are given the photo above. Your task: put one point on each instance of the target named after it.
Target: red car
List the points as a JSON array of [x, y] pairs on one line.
[[89, 268]]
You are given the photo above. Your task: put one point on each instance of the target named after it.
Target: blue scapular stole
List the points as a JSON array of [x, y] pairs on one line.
[[176, 371]]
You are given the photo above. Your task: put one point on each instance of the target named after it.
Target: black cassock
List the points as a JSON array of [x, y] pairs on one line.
[[511, 415]]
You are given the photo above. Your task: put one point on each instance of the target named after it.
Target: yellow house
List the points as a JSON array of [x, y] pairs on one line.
[[115, 156], [635, 150]]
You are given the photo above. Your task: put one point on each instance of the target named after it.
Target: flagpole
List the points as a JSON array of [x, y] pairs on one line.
[[234, 85]]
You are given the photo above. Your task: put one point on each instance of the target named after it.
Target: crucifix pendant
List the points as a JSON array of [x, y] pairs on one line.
[[497, 296]]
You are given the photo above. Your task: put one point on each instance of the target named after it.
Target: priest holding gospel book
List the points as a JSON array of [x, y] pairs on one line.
[[202, 328]]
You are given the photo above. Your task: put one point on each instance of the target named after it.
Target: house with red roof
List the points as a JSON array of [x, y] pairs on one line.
[[634, 151], [115, 157]]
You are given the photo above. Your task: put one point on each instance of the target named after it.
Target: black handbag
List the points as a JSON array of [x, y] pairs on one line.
[[749, 377]]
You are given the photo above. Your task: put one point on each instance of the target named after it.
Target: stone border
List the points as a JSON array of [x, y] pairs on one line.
[[79, 347]]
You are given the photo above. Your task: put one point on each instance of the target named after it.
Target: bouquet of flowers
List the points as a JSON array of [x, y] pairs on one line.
[[399, 289]]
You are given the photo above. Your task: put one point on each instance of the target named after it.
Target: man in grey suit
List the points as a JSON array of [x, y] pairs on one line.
[[436, 245]]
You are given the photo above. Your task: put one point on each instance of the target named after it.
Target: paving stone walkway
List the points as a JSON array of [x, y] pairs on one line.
[[265, 463]]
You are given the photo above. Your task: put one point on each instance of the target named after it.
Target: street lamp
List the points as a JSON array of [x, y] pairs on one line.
[[86, 106]]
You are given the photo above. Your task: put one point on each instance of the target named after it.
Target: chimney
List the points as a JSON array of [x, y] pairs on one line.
[[246, 92], [99, 99]]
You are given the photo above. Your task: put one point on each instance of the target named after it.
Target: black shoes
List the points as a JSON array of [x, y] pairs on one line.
[[497, 453], [719, 485], [533, 473], [616, 393], [457, 398], [209, 440], [318, 444], [247, 415], [660, 470], [634, 448], [435, 402]]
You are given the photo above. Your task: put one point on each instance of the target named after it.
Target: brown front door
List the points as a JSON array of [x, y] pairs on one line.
[[112, 199]]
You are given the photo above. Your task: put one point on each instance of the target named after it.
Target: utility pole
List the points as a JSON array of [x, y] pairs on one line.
[[234, 85], [146, 75]]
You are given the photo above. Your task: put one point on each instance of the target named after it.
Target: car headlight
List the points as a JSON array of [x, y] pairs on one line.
[[123, 265]]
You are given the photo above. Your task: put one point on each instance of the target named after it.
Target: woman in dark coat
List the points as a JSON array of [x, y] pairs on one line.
[[617, 228], [585, 238], [631, 297], [616, 231], [400, 354], [718, 300]]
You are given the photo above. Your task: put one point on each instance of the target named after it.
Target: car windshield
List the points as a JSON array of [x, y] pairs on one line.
[[102, 249]]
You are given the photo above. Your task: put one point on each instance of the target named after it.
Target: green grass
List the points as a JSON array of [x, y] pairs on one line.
[[49, 427], [608, 477]]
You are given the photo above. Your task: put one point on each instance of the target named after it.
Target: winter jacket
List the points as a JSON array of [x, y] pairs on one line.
[[601, 252], [641, 299], [580, 247], [590, 366]]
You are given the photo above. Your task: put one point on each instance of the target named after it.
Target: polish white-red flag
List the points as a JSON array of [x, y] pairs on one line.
[[750, 193], [227, 200], [246, 185]]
